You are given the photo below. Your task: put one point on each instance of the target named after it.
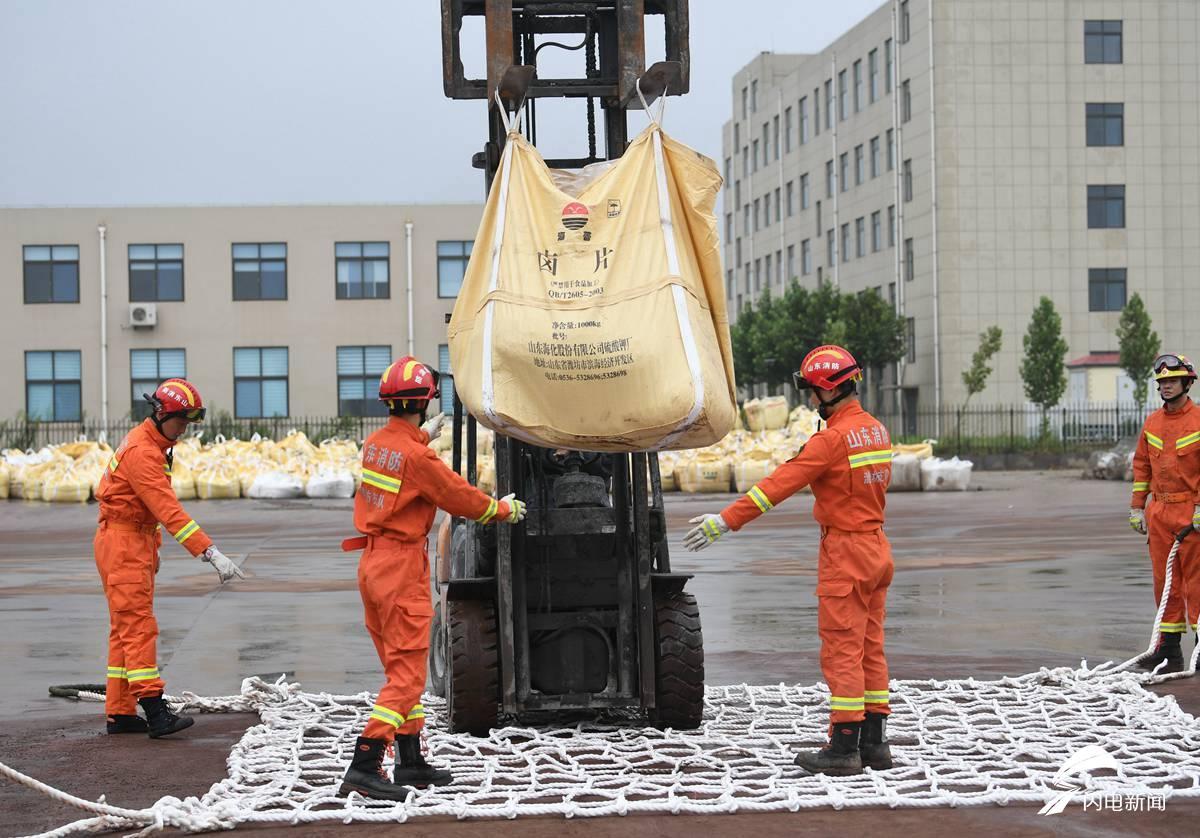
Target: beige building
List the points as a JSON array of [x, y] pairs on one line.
[[966, 157], [269, 310]]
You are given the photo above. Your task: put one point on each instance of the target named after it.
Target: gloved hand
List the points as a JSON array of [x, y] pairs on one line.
[[222, 564], [1196, 518], [712, 527], [516, 508], [1137, 520], [434, 426]]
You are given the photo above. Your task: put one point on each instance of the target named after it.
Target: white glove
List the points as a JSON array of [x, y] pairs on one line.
[[516, 508], [1137, 520], [712, 527], [434, 426], [222, 564]]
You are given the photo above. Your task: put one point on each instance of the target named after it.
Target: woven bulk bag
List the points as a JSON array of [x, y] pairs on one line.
[[752, 466], [592, 313], [706, 474]]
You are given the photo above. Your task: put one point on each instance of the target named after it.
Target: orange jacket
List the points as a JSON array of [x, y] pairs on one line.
[[848, 465], [136, 487], [404, 484], [1166, 462]]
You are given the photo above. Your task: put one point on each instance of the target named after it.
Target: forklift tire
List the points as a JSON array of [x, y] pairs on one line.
[[438, 656], [679, 669], [473, 674]]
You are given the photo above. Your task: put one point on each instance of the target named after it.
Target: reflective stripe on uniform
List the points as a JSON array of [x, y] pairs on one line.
[[188, 530], [1153, 440], [381, 481], [493, 507], [840, 702], [1172, 628], [113, 463], [876, 697], [1184, 441], [117, 672], [1141, 487], [870, 458], [760, 499], [143, 674], [387, 716], [418, 712]]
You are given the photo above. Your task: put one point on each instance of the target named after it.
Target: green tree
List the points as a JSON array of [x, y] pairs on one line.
[[872, 331], [975, 379], [1139, 346], [742, 340], [1043, 369]]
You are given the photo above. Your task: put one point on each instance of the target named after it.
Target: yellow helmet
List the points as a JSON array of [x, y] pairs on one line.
[[1173, 366]]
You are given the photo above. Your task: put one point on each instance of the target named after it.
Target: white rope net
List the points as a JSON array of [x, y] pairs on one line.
[[955, 743]]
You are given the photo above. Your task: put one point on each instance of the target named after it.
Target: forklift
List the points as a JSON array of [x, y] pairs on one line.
[[575, 611]]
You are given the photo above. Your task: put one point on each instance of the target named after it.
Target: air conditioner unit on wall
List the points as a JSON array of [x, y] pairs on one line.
[[143, 315]]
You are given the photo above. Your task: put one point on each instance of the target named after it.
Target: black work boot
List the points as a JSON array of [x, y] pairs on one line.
[[1168, 650], [873, 747], [160, 721], [366, 775], [118, 723], [840, 757], [411, 766]]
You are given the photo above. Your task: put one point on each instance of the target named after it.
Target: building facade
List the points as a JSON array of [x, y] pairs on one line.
[[967, 157], [269, 310]]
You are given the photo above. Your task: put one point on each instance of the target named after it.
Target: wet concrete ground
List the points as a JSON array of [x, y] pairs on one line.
[[1037, 569]]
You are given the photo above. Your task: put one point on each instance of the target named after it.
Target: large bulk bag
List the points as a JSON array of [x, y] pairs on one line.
[[751, 467], [953, 475], [906, 473], [276, 485], [3, 480], [219, 480], [767, 414], [330, 482], [592, 313], [706, 474], [921, 450]]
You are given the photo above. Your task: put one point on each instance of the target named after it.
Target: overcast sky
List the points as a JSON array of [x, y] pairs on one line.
[[297, 101]]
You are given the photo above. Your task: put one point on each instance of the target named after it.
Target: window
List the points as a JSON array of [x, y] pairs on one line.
[[155, 273], [859, 166], [816, 111], [828, 178], [787, 130], [728, 172], [147, 369], [892, 294], [260, 271], [791, 199], [876, 231], [452, 258], [737, 137], [909, 260], [817, 227], [52, 389], [737, 192], [757, 275], [766, 210], [910, 339], [1106, 206], [358, 372], [874, 157], [738, 260], [831, 245], [745, 161], [791, 263], [805, 197], [1102, 42], [745, 102], [757, 214], [51, 273], [803, 120], [860, 237], [891, 149], [778, 267], [728, 292], [845, 250], [778, 205], [754, 96], [1106, 124], [908, 181], [843, 89], [1106, 289], [446, 385], [905, 101], [873, 74], [887, 66], [829, 105], [844, 170], [745, 219], [806, 265], [728, 228], [749, 271], [362, 270], [754, 156], [766, 143], [858, 86], [905, 23], [260, 382], [767, 265], [892, 226], [775, 135]]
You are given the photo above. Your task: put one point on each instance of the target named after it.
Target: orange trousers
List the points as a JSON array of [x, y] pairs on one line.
[[127, 558], [1163, 521], [854, 570], [393, 579]]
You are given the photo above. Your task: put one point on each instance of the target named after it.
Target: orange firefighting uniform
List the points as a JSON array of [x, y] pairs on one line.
[[135, 494], [403, 486], [849, 466], [1166, 464]]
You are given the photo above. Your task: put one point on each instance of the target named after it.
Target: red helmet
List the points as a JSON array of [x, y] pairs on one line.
[[408, 379], [1173, 366], [825, 368], [175, 397]]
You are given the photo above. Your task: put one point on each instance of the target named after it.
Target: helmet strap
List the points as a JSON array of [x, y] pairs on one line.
[[826, 409]]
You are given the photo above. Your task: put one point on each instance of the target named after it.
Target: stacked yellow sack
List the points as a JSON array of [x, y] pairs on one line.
[[35, 475], [217, 479], [183, 481], [802, 423], [767, 414], [920, 450], [79, 480], [752, 466], [666, 472], [4, 475], [706, 473]]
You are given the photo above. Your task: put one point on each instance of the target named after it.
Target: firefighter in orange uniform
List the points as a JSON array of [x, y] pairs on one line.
[[135, 495], [404, 484], [1166, 465], [848, 465]]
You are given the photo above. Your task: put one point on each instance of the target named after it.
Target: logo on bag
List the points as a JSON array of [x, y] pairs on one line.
[[614, 207], [575, 217]]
